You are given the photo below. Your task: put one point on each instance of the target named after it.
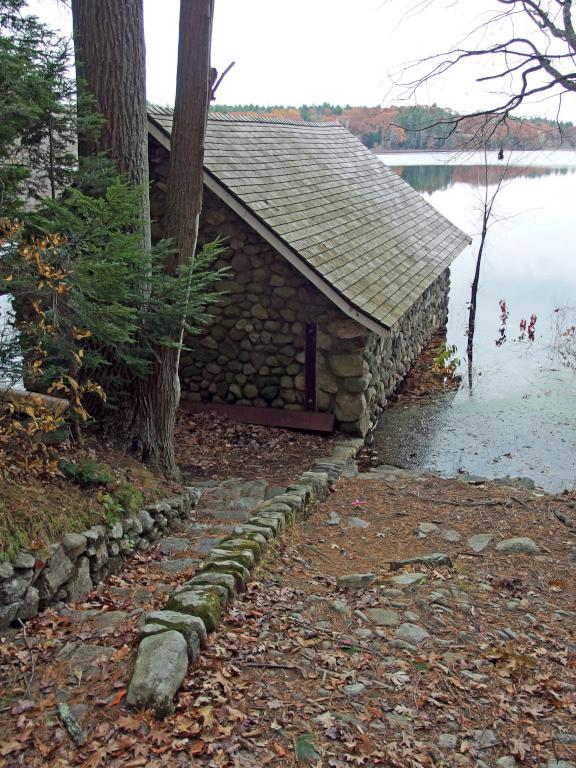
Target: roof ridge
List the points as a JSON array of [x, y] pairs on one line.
[[238, 117]]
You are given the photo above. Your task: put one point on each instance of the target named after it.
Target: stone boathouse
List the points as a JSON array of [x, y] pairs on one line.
[[339, 269]]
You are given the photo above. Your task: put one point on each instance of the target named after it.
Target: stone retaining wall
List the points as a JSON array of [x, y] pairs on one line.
[[70, 569], [252, 351], [172, 639]]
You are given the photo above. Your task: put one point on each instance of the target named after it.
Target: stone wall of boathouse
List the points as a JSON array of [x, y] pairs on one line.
[[252, 349]]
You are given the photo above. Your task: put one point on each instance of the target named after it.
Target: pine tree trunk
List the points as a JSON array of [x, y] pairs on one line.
[[111, 61], [160, 394]]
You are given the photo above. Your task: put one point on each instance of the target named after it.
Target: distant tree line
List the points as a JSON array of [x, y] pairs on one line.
[[421, 127]]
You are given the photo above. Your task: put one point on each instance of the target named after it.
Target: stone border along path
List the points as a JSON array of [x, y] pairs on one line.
[[172, 639]]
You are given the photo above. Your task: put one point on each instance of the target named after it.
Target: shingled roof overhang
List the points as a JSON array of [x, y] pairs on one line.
[[344, 220]]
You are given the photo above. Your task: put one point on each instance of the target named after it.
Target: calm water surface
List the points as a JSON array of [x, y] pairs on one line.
[[519, 416]]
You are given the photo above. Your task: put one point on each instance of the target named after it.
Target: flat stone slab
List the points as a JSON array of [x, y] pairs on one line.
[[334, 519], [409, 579], [479, 541], [204, 544], [425, 529], [357, 522], [356, 580], [171, 544], [179, 565], [411, 633], [382, 617], [519, 544], [109, 619], [451, 535], [436, 558], [84, 656]]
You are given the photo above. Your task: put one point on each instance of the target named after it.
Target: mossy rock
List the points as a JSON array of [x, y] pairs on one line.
[[240, 573], [266, 522], [243, 543], [225, 580], [220, 591], [258, 537], [204, 605], [180, 622], [246, 529], [244, 556]]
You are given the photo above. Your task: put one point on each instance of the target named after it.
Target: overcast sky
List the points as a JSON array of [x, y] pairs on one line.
[[309, 51]]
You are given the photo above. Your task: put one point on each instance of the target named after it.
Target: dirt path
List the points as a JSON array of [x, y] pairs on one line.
[[467, 663]]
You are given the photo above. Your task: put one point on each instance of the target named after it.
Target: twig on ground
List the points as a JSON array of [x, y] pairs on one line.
[[451, 502]]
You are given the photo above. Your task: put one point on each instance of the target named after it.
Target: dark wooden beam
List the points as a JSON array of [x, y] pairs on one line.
[[270, 417], [310, 368]]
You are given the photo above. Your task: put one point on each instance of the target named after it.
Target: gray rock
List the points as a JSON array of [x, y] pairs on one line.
[[74, 544], [364, 633], [409, 579], [355, 580], [146, 519], [29, 607], [110, 619], [6, 570], [357, 522], [382, 617], [160, 668], [451, 534], [205, 606], [179, 566], [354, 689], [334, 519], [518, 544], [447, 741], [411, 633], [80, 585], [474, 676], [552, 763], [25, 561], [171, 544], [427, 528], [484, 738], [340, 606], [8, 613], [238, 530], [116, 531], [479, 541], [57, 572], [152, 629], [225, 580], [180, 622], [15, 588], [507, 761], [436, 558], [84, 656]]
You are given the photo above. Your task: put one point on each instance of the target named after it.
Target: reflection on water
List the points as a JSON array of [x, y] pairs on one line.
[[426, 178], [519, 419]]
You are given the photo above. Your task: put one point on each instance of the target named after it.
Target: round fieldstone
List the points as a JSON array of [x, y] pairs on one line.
[[519, 544], [411, 633]]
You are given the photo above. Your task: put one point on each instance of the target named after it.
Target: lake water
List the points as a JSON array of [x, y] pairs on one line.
[[519, 416]]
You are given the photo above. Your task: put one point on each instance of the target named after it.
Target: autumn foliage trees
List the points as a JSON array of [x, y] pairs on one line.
[[420, 127]]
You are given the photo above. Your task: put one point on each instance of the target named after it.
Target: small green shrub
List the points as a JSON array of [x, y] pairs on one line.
[[129, 498], [112, 509], [87, 472]]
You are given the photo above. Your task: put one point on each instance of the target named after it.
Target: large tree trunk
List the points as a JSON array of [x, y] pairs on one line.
[[160, 394], [111, 63]]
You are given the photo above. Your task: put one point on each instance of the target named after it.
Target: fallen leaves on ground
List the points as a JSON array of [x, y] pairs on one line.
[[299, 675]]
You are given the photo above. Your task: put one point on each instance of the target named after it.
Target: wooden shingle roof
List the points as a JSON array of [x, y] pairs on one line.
[[341, 215]]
